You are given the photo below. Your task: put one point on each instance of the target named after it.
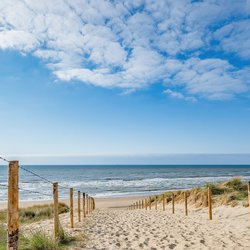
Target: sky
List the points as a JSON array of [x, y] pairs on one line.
[[125, 81]]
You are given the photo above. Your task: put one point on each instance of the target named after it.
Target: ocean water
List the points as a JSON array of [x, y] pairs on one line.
[[118, 181]]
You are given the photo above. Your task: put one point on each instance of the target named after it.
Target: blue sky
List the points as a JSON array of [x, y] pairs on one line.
[[140, 79]]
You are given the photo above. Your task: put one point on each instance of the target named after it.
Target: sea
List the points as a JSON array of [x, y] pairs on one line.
[[105, 181]]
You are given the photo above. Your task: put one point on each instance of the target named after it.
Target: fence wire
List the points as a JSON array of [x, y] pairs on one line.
[[3, 159], [2, 185], [37, 175]]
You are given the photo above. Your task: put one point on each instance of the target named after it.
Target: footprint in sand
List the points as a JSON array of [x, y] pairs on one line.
[[171, 246]]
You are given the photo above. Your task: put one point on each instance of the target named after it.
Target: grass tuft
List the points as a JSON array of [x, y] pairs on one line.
[[40, 241]]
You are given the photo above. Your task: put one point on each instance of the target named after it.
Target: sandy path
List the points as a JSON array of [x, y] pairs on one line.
[[118, 228], [139, 229]]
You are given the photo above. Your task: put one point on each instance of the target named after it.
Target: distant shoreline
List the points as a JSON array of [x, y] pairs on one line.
[[101, 203]]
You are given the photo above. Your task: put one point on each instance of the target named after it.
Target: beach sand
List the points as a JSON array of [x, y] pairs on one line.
[[118, 202], [111, 226]]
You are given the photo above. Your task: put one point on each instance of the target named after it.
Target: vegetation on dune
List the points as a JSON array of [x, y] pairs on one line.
[[39, 240], [36, 240], [232, 192], [35, 213]]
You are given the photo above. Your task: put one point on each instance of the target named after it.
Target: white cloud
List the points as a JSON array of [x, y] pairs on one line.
[[235, 37], [179, 95], [19, 40], [210, 78], [133, 44]]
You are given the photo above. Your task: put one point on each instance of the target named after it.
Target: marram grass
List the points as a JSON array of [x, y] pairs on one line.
[[232, 192]]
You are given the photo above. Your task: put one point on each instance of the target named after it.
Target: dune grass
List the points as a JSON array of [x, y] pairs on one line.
[[232, 192], [37, 240], [35, 213]]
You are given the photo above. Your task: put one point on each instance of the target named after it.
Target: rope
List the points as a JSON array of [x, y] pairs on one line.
[[2, 185], [37, 175], [1, 158]]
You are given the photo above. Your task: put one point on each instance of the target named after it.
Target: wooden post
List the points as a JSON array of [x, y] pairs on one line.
[[142, 202], [87, 204], [249, 194], [209, 194], [56, 213], [155, 203], [149, 203], [186, 206], [173, 203], [163, 202], [13, 220], [79, 206], [83, 205], [146, 204], [71, 207], [90, 210]]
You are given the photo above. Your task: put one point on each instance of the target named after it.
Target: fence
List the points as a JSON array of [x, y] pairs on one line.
[[88, 202], [147, 203]]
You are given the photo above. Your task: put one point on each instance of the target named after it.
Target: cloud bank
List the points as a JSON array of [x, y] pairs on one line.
[[195, 49]]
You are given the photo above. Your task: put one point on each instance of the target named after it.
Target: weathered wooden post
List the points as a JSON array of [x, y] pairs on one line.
[[163, 202], [173, 203], [90, 207], [56, 213], [149, 202], [83, 205], [155, 202], [186, 206], [87, 204], [71, 207], [79, 206], [137, 205], [142, 204], [248, 194], [13, 219], [146, 204], [209, 194], [93, 203]]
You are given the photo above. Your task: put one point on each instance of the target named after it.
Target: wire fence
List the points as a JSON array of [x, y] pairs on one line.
[[13, 187]]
